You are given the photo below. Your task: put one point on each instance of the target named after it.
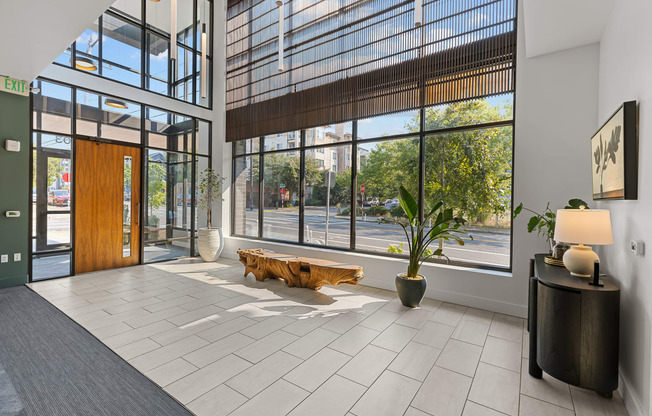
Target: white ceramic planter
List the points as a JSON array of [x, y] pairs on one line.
[[210, 243]]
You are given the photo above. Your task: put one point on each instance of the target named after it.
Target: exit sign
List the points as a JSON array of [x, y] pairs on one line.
[[13, 86]]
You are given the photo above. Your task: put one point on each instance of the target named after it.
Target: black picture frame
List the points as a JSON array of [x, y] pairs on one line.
[[614, 156]]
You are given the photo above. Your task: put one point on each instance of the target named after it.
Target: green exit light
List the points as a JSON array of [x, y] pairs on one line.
[[14, 86]]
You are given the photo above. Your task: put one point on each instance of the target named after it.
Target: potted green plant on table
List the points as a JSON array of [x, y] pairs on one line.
[[544, 224], [211, 240], [438, 224]]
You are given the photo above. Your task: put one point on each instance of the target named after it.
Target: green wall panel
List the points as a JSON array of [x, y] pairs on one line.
[[14, 188]]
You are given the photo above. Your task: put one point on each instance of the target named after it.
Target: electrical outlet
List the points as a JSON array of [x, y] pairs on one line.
[[637, 247], [4, 258], [16, 256]]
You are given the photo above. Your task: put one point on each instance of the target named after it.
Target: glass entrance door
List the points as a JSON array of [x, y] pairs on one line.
[[51, 206]]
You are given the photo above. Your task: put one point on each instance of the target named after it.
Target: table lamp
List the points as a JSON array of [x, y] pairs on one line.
[[582, 226]]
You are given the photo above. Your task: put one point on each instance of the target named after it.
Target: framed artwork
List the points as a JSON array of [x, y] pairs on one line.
[[614, 156]]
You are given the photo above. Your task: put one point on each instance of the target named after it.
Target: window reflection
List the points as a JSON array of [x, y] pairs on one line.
[[121, 50], [113, 47], [107, 117], [157, 63], [246, 196], [168, 130], [52, 108], [88, 49]]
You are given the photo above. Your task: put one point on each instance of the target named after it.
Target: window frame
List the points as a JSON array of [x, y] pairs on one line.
[[145, 29], [142, 144], [422, 135]]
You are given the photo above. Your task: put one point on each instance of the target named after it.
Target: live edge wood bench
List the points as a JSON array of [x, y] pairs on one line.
[[298, 271]]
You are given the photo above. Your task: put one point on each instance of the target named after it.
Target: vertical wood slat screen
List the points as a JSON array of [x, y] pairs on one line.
[[350, 59]]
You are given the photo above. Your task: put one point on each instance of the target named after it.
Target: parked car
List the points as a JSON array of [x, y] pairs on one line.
[[392, 203], [374, 202], [188, 199], [59, 197]]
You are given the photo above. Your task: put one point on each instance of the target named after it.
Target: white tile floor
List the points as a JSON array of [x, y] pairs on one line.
[[222, 344]]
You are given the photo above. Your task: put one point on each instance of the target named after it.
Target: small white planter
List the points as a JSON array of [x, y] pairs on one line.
[[210, 243]]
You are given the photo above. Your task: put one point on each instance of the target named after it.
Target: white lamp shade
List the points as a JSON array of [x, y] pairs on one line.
[[583, 226]]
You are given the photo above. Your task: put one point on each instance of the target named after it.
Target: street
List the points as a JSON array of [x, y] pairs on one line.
[[489, 246]]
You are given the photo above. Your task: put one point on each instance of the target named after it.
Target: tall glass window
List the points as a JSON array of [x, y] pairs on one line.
[[458, 153], [171, 183], [107, 117], [126, 37], [177, 148], [52, 179], [281, 196]]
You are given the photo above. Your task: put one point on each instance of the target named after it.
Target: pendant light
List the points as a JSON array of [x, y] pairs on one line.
[[417, 12], [111, 102], [202, 75], [173, 29], [281, 19], [85, 64]]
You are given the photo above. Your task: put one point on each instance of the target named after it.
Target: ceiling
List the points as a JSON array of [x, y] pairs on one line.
[[555, 25], [34, 32]]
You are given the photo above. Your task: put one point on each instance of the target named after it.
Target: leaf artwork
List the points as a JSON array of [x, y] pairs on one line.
[[606, 152]]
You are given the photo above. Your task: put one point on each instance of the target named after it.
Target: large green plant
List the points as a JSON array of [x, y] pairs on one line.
[[210, 191], [545, 221], [438, 224]]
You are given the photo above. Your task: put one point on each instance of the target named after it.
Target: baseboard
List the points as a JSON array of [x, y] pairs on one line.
[[13, 281], [447, 296], [632, 402], [459, 298]]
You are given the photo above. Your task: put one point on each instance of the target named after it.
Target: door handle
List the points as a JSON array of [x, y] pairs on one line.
[[138, 214]]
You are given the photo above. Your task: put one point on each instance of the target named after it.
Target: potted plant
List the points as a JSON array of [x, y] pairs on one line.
[[544, 223], [211, 240], [411, 286]]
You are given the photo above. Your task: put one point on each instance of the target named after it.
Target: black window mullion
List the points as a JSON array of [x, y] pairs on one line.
[[144, 174], [73, 55], [422, 164], [354, 183], [195, 100], [194, 166], [100, 42], [261, 191], [302, 185], [144, 46]]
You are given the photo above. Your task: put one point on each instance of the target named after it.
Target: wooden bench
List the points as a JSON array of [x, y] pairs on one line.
[[298, 271]]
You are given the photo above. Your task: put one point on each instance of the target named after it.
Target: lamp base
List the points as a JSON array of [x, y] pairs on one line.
[[580, 260]]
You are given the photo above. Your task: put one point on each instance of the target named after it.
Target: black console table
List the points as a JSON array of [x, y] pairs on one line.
[[573, 328]]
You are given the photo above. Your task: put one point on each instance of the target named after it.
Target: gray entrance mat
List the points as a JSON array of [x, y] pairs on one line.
[[55, 367]]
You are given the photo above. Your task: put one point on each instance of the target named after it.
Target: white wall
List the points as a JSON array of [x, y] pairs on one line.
[[556, 107], [625, 63]]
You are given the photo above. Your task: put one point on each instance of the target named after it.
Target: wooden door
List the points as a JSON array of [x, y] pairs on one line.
[[107, 206]]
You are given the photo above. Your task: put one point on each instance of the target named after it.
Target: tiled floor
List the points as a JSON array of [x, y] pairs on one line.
[[223, 344]]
